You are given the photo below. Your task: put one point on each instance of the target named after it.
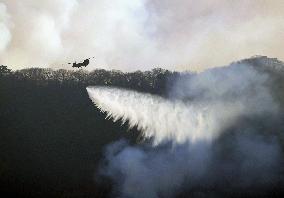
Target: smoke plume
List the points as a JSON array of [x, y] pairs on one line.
[[217, 134], [138, 34]]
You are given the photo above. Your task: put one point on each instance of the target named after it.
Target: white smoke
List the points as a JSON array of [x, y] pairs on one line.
[[214, 134], [5, 34], [252, 163], [138, 34]]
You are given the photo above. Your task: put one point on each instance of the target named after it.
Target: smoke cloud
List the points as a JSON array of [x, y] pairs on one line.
[[138, 34], [217, 134]]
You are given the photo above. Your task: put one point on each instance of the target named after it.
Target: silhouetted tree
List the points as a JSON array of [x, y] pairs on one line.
[[4, 70]]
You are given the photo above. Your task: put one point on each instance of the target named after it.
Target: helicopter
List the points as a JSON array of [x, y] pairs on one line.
[[85, 63]]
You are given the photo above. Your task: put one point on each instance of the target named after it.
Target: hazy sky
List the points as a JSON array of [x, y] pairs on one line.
[[139, 34]]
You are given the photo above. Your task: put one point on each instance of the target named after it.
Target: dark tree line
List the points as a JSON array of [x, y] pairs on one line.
[[154, 81]]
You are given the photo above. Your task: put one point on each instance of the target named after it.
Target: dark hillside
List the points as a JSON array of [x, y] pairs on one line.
[[51, 135]]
